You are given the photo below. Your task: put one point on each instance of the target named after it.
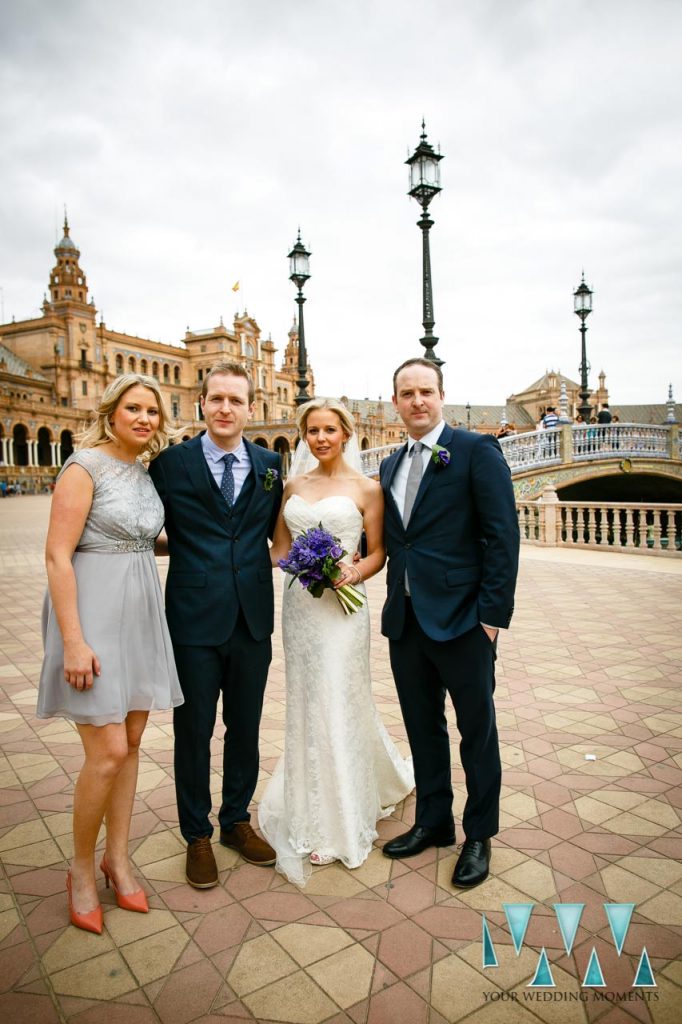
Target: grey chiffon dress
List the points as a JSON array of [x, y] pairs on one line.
[[120, 603]]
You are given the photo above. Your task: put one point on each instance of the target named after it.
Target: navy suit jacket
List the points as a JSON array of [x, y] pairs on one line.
[[461, 544], [219, 560]]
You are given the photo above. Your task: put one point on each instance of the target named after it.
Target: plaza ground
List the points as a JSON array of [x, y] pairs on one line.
[[591, 666]]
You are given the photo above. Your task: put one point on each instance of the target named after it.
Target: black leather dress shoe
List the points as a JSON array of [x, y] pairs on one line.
[[417, 839], [472, 864]]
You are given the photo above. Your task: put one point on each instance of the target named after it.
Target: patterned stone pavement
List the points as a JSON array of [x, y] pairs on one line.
[[592, 666]]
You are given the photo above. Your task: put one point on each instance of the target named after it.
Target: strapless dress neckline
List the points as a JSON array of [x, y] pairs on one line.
[[329, 497]]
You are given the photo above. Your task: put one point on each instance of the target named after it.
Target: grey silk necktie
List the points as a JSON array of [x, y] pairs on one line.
[[227, 482], [414, 477]]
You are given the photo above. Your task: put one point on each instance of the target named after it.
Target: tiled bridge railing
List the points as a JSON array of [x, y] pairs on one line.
[[540, 449]]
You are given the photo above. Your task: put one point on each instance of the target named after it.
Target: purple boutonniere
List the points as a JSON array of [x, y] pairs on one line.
[[440, 455], [271, 477]]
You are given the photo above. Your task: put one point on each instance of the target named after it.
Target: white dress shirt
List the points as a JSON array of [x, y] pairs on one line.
[[399, 483], [214, 455]]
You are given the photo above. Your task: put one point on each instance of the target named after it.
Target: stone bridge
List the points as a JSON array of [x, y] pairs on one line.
[[543, 462], [571, 453]]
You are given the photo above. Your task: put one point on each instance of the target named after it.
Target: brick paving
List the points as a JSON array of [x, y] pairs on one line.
[[592, 666]]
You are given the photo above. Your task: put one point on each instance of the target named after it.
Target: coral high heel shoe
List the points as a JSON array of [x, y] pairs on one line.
[[136, 901], [90, 922]]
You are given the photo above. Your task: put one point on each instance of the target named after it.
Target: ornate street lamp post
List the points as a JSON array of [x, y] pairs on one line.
[[468, 409], [582, 307], [424, 185], [299, 267]]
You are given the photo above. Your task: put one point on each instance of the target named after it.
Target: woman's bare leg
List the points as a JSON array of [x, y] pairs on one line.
[[106, 751], [119, 809]]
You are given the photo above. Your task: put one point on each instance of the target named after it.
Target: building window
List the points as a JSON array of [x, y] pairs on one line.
[[155, 370], [131, 364], [286, 394], [176, 374], [143, 366], [175, 407], [200, 374], [84, 387], [166, 373], [119, 364]]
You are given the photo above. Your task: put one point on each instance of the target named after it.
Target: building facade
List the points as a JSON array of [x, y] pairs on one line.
[[54, 369]]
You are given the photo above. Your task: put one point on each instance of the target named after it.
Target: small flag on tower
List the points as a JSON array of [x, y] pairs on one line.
[[235, 286]]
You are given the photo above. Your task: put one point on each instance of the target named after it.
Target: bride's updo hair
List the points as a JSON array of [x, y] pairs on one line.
[[304, 411]]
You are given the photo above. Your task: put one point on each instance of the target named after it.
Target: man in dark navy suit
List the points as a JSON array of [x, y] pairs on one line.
[[222, 496], [452, 540]]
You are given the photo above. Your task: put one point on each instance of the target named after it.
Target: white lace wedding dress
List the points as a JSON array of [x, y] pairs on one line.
[[340, 771]]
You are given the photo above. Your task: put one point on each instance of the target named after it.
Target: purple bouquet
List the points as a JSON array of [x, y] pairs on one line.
[[314, 561]]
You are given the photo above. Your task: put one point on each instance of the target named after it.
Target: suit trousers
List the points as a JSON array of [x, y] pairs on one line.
[[238, 669], [425, 670]]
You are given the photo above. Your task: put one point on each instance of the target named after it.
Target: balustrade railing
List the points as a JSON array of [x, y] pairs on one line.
[[594, 441], [533, 449], [637, 527], [539, 449]]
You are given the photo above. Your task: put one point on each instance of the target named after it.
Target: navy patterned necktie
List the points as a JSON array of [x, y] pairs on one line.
[[227, 483], [414, 477]]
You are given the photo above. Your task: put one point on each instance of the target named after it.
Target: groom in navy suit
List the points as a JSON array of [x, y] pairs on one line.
[[221, 495], [452, 540]]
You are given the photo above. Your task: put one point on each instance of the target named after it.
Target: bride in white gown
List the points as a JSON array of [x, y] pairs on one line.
[[340, 771]]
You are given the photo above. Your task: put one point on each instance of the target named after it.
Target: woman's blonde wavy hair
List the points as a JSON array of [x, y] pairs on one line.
[[100, 432], [304, 411]]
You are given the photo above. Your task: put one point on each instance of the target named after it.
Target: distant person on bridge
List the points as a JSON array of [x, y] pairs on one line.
[[604, 415], [550, 419]]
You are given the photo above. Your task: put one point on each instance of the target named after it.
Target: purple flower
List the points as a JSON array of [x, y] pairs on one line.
[[440, 456], [313, 561], [271, 476]]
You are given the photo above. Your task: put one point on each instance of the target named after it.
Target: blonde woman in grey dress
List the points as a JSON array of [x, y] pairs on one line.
[[108, 656]]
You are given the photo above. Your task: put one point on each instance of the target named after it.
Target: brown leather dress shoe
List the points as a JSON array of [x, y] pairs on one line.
[[242, 837], [201, 870]]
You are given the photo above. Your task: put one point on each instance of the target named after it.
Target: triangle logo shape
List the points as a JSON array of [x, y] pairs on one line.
[[543, 973], [593, 975], [644, 978], [619, 916], [489, 955], [568, 915], [518, 916]]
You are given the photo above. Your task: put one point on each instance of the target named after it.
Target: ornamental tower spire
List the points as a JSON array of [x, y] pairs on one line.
[[67, 281]]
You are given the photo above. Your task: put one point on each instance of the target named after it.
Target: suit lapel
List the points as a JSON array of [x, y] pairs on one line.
[[393, 463], [256, 468], [199, 473]]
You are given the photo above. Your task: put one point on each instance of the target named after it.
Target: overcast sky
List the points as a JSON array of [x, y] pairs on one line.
[[190, 140]]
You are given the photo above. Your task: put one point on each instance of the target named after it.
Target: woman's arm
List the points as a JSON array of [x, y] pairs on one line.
[[161, 545], [70, 507], [373, 523], [281, 539]]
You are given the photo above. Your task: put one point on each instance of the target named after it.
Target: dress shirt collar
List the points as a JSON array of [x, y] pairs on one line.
[[215, 453], [429, 439]]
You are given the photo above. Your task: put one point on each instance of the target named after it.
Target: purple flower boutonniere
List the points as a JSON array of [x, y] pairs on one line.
[[271, 477], [440, 455]]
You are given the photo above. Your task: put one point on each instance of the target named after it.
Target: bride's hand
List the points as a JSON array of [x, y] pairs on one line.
[[349, 574]]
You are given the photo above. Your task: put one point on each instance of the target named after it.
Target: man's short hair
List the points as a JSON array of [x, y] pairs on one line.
[[231, 370], [419, 361]]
